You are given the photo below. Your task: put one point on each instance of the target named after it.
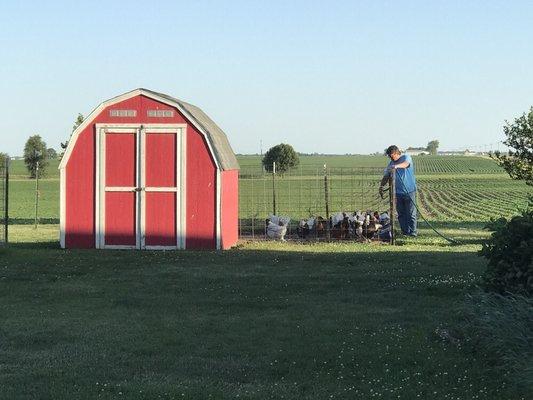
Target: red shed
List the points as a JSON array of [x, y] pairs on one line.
[[148, 171]]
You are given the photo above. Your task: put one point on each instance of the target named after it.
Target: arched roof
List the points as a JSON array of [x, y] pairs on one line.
[[218, 141]]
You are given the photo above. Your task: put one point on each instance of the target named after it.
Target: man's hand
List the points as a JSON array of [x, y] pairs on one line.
[[381, 191]]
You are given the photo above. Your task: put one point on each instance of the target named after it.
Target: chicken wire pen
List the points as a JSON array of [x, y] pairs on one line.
[[4, 196], [331, 198]]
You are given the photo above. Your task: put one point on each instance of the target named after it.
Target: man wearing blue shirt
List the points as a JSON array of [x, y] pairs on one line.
[[405, 188]]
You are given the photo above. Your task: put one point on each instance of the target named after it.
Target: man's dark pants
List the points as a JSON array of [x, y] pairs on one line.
[[405, 206]]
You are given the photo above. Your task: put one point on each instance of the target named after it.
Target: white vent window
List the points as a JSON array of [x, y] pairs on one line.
[[161, 113], [122, 113]]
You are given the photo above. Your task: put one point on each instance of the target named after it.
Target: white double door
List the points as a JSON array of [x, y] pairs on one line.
[[141, 186]]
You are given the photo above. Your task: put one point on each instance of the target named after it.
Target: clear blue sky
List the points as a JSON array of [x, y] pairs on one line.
[[335, 77]]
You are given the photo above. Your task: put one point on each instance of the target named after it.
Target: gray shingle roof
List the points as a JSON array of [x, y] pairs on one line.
[[216, 136]]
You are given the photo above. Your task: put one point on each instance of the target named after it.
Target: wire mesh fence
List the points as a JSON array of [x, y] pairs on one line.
[[4, 187], [315, 202]]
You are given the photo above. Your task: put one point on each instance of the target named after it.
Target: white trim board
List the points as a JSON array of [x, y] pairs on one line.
[[62, 206], [218, 211]]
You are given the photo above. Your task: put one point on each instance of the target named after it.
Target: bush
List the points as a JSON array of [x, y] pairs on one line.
[[500, 328], [510, 254]]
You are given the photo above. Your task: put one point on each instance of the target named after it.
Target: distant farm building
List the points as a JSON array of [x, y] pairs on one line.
[[459, 153], [416, 151], [148, 171]]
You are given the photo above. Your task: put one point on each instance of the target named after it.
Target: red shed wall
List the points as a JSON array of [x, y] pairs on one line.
[[79, 195], [201, 194], [230, 208], [81, 169]]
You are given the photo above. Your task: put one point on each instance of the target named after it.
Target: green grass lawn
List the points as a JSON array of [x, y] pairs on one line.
[[18, 169], [263, 321]]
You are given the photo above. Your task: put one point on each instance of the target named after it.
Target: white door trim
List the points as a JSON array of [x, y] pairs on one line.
[[180, 131], [62, 205], [218, 210], [140, 130], [101, 189], [141, 179]]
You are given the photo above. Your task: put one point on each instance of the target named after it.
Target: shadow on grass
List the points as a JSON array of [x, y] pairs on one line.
[[467, 225], [436, 241], [263, 316], [52, 245], [299, 245], [31, 221]]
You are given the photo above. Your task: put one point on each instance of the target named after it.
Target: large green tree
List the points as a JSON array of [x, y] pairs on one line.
[[283, 155], [35, 151], [518, 162], [432, 147]]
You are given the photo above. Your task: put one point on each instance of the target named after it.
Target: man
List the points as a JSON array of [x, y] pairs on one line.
[[405, 188]]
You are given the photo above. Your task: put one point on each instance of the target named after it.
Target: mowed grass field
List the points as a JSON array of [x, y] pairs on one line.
[[262, 321], [265, 320]]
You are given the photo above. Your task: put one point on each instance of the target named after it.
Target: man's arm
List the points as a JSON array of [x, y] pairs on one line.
[[404, 164]]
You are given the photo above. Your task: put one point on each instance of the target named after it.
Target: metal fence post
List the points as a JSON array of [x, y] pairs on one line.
[[252, 178], [274, 187], [392, 203], [36, 193], [6, 201], [326, 199]]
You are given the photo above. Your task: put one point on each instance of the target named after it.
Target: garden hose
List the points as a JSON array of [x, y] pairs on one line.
[[451, 240]]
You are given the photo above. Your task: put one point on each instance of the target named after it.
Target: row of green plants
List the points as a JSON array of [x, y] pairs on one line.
[[425, 165], [462, 204]]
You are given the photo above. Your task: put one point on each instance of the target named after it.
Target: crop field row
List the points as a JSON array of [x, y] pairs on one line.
[[456, 165], [424, 164], [470, 204]]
